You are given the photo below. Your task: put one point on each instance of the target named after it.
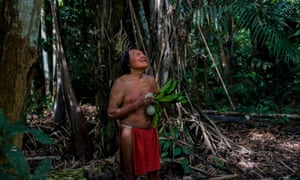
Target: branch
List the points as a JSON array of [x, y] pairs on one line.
[[254, 115], [217, 70]]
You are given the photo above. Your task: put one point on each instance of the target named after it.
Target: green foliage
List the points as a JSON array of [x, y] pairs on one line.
[[166, 94], [283, 120], [257, 38], [38, 102], [265, 22], [171, 149], [257, 84], [77, 27], [15, 158], [219, 164], [265, 88]]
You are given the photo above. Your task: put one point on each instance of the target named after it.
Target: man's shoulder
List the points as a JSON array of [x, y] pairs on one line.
[[148, 76], [122, 78], [118, 81]]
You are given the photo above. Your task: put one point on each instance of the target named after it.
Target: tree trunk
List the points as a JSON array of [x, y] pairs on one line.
[[45, 53], [80, 144], [18, 54], [109, 15], [55, 87]]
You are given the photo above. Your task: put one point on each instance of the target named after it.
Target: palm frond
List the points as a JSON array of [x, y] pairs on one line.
[[246, 17], [207, 15], [264, 32], [122, 42]]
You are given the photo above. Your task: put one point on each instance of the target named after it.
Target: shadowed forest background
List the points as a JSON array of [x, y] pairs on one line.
[[237, 63]]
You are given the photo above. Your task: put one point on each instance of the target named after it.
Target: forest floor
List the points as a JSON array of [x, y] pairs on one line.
[[274, 153]]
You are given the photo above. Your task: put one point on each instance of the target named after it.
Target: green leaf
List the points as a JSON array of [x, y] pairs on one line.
[[42, 170], [14, 129], [17, 160], [172, 87], [168, 98], [182, 99], [166, 146], [165, 95], [163, 89], [177, 151], [159, 95], [167, 159], [186, 150], [158, 111], [164, 154], [155, 119], [185, 166], [40, 136]]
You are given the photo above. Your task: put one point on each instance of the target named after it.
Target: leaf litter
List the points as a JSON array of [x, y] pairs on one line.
[[263, 150]]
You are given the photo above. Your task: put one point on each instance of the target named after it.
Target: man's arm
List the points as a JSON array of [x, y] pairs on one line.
[[115, 106]]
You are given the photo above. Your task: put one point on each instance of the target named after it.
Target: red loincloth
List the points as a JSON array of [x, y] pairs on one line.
[[146, 150]]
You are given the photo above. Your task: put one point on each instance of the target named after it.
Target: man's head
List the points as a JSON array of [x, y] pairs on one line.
[[134, 59]]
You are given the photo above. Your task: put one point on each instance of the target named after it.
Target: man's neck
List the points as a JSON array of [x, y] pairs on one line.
[[137, 73]]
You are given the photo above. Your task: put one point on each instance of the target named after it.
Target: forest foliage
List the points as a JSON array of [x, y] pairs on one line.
[[258, 55], [227, 55], [15, 156]]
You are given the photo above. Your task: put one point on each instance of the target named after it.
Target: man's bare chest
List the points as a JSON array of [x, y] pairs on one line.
[[134, 90]]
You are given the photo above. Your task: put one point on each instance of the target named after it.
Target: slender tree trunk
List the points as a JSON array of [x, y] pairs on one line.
[[45, 53], [54, 56], [80, 143], [18, 55]]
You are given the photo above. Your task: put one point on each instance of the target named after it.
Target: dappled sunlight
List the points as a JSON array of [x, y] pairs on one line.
[[268, 148], [248, 164], [291, 146], [282, 143], [272, 150], [261, 136]]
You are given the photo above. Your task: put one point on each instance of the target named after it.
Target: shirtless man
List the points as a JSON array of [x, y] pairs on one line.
[[139, 146]]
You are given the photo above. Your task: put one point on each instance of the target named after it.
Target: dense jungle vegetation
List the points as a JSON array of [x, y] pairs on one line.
[[232, 58], [258, 63]]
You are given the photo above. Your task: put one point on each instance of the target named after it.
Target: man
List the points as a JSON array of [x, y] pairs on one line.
[[139, 145]]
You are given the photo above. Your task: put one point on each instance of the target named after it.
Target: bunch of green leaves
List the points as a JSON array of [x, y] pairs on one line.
[[172, 149], [167, 94], [15, 158]]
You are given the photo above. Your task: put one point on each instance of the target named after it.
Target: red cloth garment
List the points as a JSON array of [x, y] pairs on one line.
[[146, 150]]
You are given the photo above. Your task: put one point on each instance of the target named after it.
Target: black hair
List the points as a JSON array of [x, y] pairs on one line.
[[125, 62]]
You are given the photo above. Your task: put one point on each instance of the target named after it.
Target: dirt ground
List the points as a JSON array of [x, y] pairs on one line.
[[272, 151]]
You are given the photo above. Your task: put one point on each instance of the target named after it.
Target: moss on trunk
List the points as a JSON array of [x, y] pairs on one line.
[[18, 55]]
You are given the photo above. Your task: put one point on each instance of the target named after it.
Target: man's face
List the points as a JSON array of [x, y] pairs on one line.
[[138, 59]]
